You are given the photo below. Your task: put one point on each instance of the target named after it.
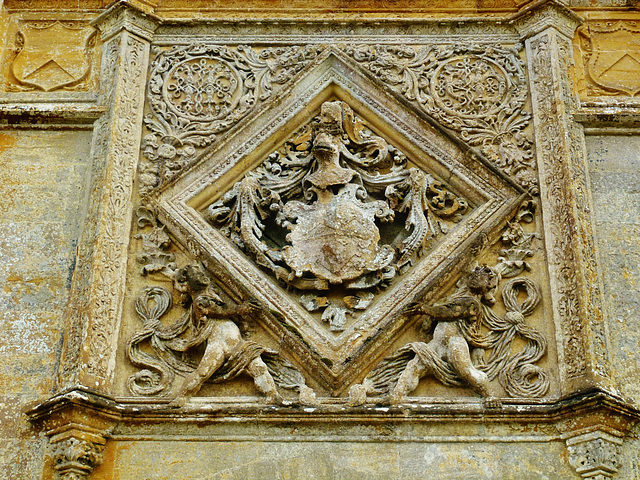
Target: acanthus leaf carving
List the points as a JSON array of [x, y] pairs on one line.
[[595, 455], [75, 458], [155, 243]]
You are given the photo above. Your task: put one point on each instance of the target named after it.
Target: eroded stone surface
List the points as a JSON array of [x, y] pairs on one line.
[[44, 181], [613, 168]]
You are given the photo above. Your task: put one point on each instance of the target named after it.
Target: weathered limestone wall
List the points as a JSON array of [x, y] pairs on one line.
[[337, 460], [43, 188], [614, 168]]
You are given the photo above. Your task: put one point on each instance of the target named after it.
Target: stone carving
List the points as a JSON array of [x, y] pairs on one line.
[[154, 257], [611, 57], [119, 144], [563, 252], [209, 322], [512, 261], [52, 55], [595, 455], [75, 459], [199, 91], [81, 288], [477, 90], [314, 213], [455, 354]]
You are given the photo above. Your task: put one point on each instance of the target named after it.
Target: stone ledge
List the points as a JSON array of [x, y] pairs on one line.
[[128, 410]]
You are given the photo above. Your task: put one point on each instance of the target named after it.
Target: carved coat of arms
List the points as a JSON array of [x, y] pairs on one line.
[[52, 56], [336, 212]]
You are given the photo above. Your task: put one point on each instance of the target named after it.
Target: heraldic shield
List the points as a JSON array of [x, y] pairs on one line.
[[614, 62], [53, 56]]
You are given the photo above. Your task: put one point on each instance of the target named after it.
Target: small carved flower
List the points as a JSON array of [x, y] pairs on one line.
[[167, 151], [527, 179], [189, 151]]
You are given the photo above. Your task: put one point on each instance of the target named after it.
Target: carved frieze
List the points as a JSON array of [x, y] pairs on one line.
[[324, 217]]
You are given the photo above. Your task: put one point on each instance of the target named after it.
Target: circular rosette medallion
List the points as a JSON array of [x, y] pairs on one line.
[[203, 89], [470, 86]]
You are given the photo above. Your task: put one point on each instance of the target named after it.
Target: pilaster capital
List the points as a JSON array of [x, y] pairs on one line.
[[539, 16], [127, 15]]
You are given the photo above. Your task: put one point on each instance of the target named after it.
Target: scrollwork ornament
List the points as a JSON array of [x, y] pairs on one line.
[[478, 91], [207, 321], [336, 205], [198, 91], [155, 243]]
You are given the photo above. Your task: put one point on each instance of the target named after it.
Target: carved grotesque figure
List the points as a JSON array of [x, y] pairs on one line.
[[226, 353], [449, 356]]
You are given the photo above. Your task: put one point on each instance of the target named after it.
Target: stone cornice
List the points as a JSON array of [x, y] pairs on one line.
[[563, 412]]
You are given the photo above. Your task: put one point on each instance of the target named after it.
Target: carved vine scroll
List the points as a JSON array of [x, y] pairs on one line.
[[198, 91]]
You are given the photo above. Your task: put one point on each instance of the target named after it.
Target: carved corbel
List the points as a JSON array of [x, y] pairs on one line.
[[76, 451], [595, 454]]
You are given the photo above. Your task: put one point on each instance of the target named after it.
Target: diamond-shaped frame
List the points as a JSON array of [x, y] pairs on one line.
[[335, 361]]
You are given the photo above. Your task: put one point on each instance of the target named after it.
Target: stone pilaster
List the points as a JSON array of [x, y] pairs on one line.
[[566, 204], [99, 280]]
